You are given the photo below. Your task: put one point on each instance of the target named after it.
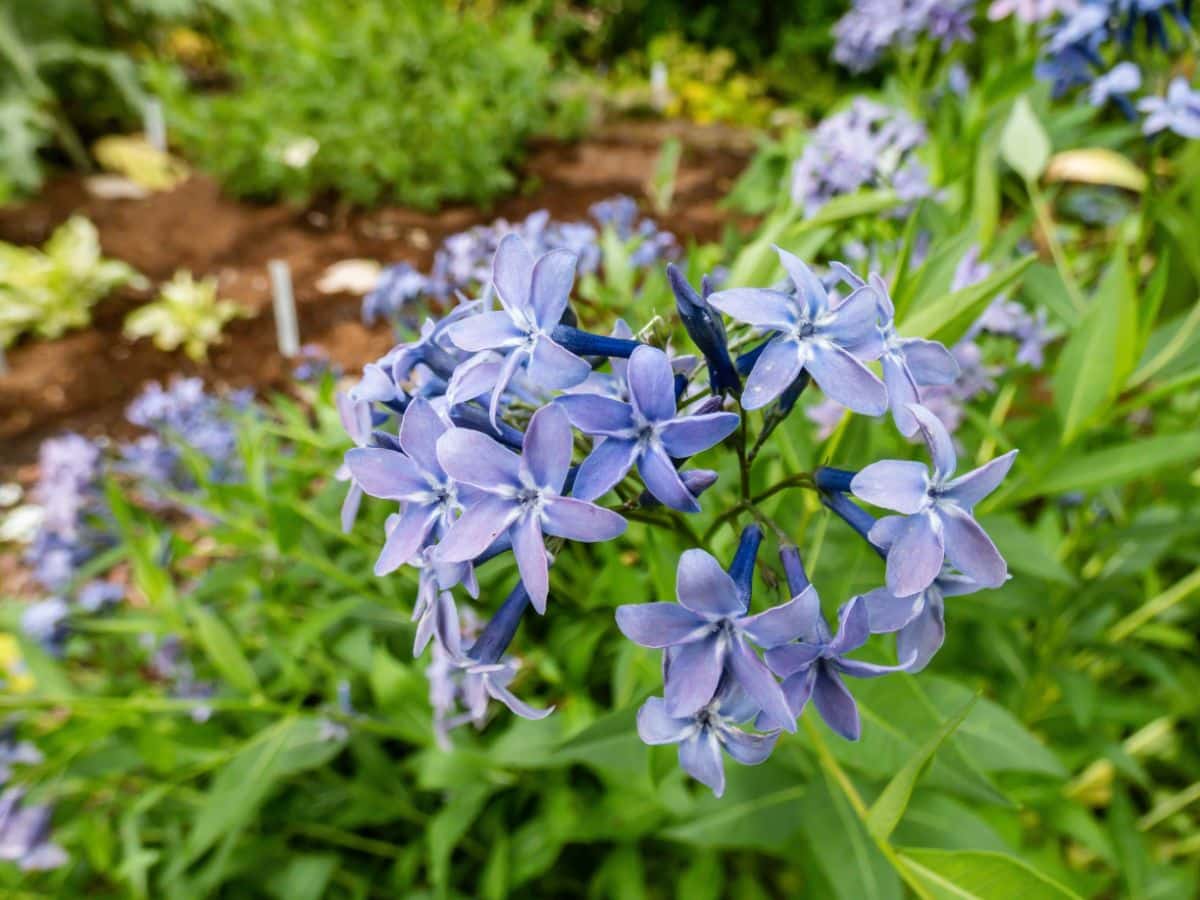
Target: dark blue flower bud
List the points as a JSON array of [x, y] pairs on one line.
[[583, 343], [853, 515], [833, 480], [707, 332], [741, 570], [793, 569], [499, 632]]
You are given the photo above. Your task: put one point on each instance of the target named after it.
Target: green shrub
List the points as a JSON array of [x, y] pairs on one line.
[[411, 101]]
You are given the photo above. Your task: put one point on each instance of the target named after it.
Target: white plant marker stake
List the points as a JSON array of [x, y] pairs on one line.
[[287, 328], [154, 124]]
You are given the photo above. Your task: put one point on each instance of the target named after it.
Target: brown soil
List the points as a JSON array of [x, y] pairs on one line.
[[83, 380]]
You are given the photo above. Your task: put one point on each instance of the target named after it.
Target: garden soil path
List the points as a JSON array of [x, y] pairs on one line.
[[84, 380]]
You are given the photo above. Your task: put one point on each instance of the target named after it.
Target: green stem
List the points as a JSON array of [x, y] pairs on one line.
[[838, 776]]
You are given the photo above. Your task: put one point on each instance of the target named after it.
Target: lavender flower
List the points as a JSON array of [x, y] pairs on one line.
[[70, 533], [646, 432], [1179, 111], [412, 476], [908, 363], [707, 632], [866, 145], [356, 420], [483, 671], [1116, 84], [936, 523], [25, 834], [96, 596], [810, 335], [46, 622], [14, 752], [181, 417], [812, 668], [521, 496], [872, 27], [1030, 10], [920, 620], [702, 735], [534, 295], [398, 285]]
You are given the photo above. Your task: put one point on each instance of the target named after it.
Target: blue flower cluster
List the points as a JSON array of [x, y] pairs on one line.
[[68, 491], [463, 262], [182, 419], [1087, 48], [866, 145], [500, 430], [873, 27], [75, 525]]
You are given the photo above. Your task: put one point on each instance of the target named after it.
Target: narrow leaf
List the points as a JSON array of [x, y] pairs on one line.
[[885, 813], [979, 875]]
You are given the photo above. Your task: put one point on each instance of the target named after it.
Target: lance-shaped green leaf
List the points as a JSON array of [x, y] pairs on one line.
[[948, 318], [979, 875], [887, 809]]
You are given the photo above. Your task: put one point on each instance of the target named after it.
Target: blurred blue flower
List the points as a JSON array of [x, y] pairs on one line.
[[399, 285], [1178, 111], [1116, 84], [873, 27], [25, 834], [866, 145]]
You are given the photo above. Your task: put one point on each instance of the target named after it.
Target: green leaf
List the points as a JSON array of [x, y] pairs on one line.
[[898, 716], [948, 318], [242, 784], [1025, 551], [991, 737], [761, 809], [844, 851], [1024, 143], [1115, 465], [979, 875], [304, 877], [887, 809], [1094, 361], [223, 650], [447, 828]]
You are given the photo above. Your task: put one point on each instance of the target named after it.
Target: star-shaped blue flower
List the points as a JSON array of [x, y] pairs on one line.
[[811, 335], [812, 668], [936, 522], [707, 633], [702, 735], [521, 496], [533, 295], [645, 431]]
